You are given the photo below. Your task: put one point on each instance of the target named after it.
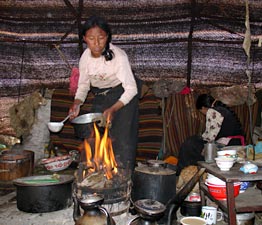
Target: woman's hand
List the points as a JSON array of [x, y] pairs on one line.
[[109, 112], [75, 109]]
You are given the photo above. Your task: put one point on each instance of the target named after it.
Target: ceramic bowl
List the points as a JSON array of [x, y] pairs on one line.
[[192, 220], [225, 164], [57, 163], [215, 181], [227, 154]]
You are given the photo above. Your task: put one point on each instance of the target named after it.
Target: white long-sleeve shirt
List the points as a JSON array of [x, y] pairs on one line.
[[98, 72]]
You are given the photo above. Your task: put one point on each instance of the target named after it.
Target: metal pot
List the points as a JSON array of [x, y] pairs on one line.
[[155, 181], [39, 194], [83, 124], [191, 208]]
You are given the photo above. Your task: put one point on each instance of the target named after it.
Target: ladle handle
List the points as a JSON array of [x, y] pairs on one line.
[[66, 118]]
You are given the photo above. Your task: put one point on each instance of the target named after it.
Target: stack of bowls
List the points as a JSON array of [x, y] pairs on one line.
[[226, 159], [217, 187]]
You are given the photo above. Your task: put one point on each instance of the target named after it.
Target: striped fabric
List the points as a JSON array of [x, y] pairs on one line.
[[150, 127]]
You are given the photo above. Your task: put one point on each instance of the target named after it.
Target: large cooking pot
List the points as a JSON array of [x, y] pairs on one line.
[[46, 193], [154, 180]]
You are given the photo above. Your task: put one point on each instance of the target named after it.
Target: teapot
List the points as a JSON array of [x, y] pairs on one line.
[[94, 213]]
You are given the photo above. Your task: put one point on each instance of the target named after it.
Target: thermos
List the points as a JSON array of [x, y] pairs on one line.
[[210, 152]]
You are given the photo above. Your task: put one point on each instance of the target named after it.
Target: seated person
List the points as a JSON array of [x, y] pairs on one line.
[[222, 126]]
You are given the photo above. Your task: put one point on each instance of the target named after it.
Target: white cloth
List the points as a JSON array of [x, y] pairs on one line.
[[100, 73], [214, 120]]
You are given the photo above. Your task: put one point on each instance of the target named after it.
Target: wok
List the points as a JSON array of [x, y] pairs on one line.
[[88, 118]]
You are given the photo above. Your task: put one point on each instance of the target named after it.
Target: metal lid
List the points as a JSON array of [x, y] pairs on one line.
[[155, 167], [92, 198], [149, 207]]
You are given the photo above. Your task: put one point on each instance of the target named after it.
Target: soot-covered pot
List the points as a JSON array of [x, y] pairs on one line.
[[47, 193], [154, 180]]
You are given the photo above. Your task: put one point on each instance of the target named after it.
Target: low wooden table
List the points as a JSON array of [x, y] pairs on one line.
[[249, 201]]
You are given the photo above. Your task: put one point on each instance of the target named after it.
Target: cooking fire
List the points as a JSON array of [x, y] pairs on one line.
[[100, 169]]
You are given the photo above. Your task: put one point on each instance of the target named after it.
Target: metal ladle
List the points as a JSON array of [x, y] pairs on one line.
[[57, 126]]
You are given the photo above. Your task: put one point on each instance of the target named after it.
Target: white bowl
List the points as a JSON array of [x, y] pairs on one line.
[[215, 181], [55, 126], [225, 163], [227, 154], [57, 163]]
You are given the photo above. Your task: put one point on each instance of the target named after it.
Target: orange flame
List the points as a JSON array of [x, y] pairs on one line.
[[104, 158]]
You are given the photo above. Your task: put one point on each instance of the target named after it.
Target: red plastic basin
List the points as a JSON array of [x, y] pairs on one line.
[[219, 191]]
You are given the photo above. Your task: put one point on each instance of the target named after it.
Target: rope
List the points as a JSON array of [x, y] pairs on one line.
[[21, 71], [63, 56]]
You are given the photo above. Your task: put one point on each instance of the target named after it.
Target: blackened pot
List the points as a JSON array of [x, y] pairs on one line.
[[40, 194], [154, 181], [191, 208]]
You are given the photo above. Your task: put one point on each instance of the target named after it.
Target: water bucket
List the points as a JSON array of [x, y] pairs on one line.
[[14, 166]]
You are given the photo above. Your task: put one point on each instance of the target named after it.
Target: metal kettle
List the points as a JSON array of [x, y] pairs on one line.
[[94, 213]]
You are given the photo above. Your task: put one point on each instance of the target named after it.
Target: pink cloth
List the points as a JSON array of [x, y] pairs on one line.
[[73, 80], [186, 90]]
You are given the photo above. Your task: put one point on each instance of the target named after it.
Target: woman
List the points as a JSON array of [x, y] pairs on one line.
[[222, 126], [105, 70]]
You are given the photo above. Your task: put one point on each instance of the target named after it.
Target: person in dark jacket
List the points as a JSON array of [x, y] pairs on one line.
[[222, 127]]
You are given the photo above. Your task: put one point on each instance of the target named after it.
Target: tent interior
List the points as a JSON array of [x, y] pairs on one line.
[[186, 43]]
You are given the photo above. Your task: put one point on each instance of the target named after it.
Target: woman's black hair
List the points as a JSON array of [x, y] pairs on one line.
[[100, 22], [205, 100]]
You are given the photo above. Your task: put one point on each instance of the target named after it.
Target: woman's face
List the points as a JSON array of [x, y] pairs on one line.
[[96, 39], [203, 110]]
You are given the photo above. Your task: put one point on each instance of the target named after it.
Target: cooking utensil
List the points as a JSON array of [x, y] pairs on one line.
[[39, 194], [153, 181], [88, 118], [57, 126]]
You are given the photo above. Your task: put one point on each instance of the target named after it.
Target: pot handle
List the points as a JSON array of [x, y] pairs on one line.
[[76, 212], [108, 217]]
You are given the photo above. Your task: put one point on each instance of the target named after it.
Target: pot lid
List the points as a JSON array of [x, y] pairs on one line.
[[43, 180], [155, 167], [149, 207], [92, 199]]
